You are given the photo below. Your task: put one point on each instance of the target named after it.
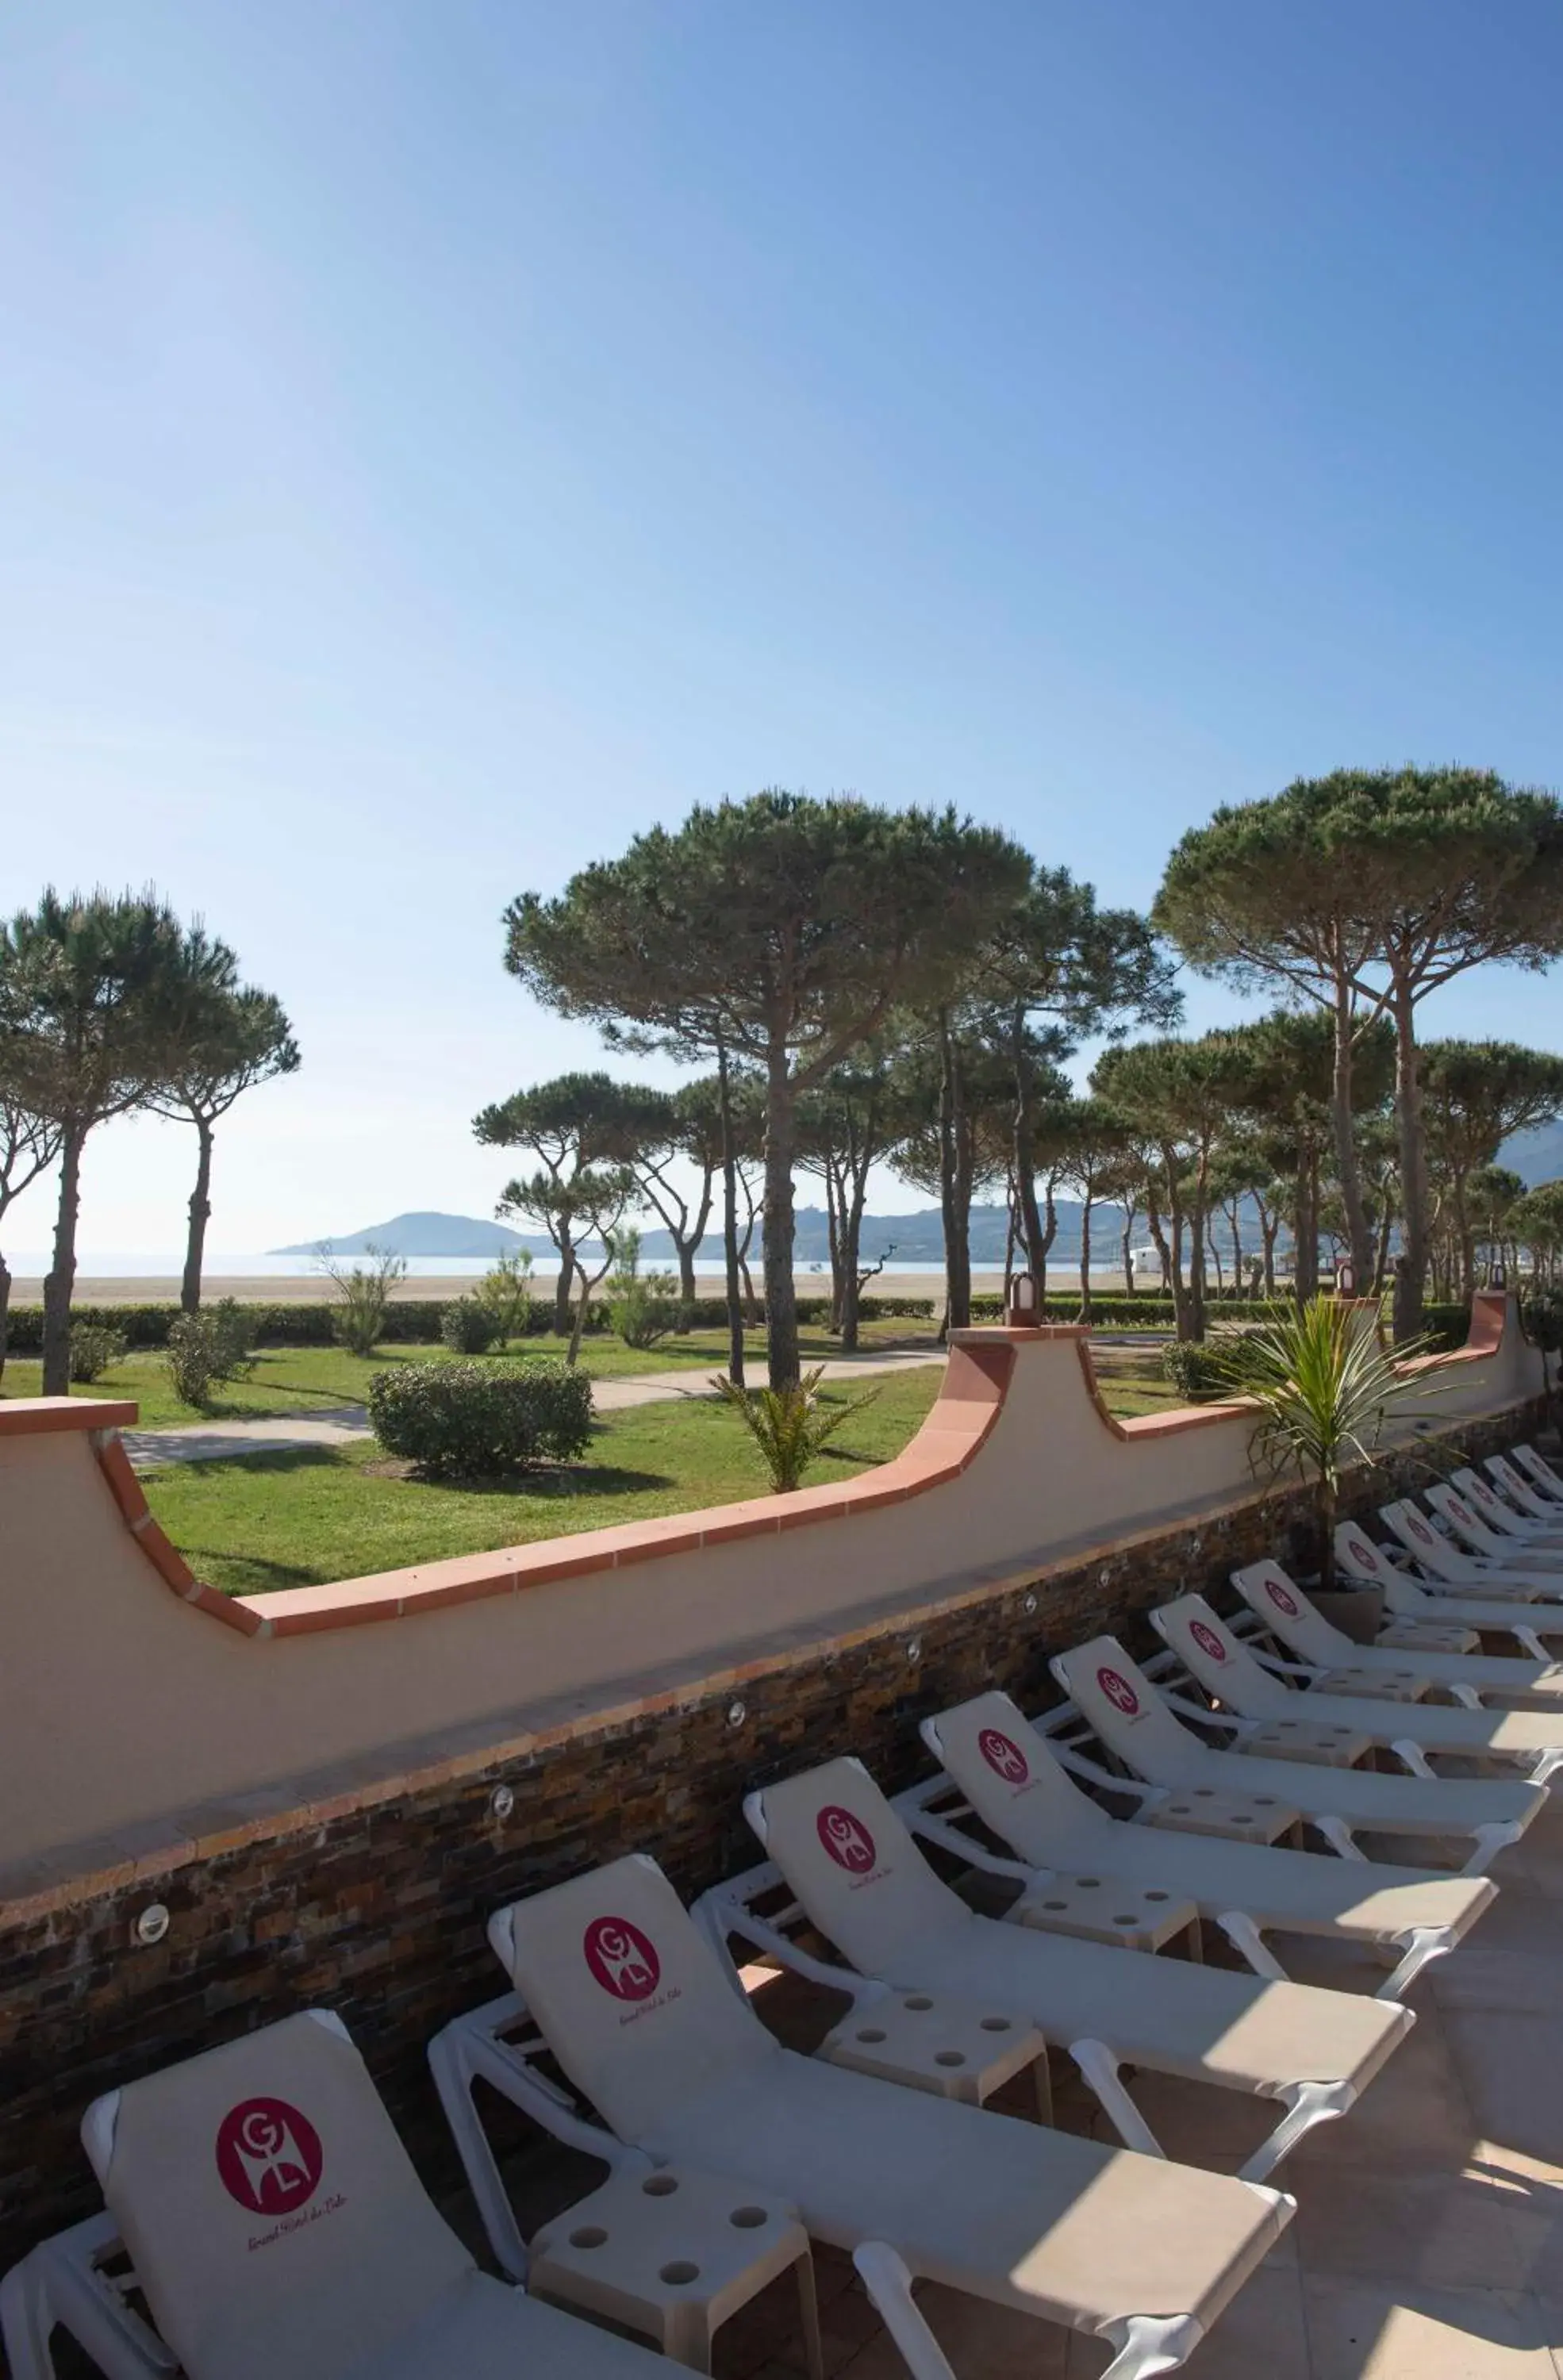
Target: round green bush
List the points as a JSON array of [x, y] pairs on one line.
[[469, 1326], [1204, 1374], [472, 1420], [95, 1348]]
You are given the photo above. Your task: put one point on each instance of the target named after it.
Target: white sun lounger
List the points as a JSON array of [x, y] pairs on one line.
[[645, 2021], [1527, 1508], [1129, 1714], [1228, 1670], [1012, 1779], [1446, 1570], [1415, 1607], [864, 1882], [278, 2231], [1287, 1614], [1475, 1532], [1539, 1472]]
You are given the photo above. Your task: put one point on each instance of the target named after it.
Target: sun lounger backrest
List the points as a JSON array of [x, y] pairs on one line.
[[1289, 1614], [1426, 1544], [1012, 1779], [1539, 1468], [1524, 1491], [1119, 1701], [272, 2216], [853, 1865], [1471, 1524], [1360, 1559], [1498, 1516], [631, 1998], [1223, 1666]]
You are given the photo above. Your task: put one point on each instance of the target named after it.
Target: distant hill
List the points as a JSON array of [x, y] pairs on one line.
[[422, 1235], [1535, 1156], [906, 1239]]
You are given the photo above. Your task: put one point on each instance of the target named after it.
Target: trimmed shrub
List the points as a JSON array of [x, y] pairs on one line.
[[209, 1345], [507, 1291], [1204, 1374], [95, 1348], [472, 1420], [469, 1326]]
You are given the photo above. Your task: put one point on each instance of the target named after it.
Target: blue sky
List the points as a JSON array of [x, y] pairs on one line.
[[436, 441]]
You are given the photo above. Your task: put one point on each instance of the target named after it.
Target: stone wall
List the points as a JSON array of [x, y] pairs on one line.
[[378, 1910]]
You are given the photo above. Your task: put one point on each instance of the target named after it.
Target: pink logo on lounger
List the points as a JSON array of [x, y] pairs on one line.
[[1207, 1640], [1119, 1692], [846, 1838], [1420, 1529], [1006, 1759], [1363, 1555], [269, 2156], [1281, 1598], [622, 1958]]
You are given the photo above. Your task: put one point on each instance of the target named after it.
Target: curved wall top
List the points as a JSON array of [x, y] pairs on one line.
[[135, 1702]]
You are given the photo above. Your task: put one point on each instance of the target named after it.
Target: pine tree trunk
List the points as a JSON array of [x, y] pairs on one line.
[[201, 1212], [5, 1312], [729, 1224], [61, 1280], [686, 1247], [852, 1241], [562, 1242], [955, 1192], [1085, 1260], [1305, 1263], [1359, 1233], [1410, 1274], [780, 1298]]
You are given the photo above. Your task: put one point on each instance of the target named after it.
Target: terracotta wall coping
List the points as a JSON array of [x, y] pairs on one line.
[[35, 1417]]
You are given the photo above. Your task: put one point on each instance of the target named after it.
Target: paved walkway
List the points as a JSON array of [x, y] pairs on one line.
[[348, 1425]]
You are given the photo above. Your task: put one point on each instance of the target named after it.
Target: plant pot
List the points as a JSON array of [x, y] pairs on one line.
[[1357, 1611]]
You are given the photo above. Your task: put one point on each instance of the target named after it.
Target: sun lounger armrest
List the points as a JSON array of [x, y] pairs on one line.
[[1203, 1716], [512, 2074], [1282, 1667], [1080, 1764], [725, 1912], [950, 1839]]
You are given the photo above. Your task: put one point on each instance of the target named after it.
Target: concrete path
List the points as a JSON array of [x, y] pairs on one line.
[[213, 1442]]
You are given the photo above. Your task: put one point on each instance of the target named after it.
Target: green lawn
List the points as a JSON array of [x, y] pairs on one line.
[[306, 1379], [302, 1518]]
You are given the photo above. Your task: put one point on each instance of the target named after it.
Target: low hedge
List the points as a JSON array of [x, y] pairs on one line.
[[472, 1420], [408, 1321]]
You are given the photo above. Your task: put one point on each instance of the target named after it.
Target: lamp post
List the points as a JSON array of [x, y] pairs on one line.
[[1026, 1306]]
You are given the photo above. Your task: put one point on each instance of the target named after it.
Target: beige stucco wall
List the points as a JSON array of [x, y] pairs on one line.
[[119, 1704]]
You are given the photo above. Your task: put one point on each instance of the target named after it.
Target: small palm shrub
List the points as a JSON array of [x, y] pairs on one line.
[[203, 1348], [1325, 1387], [469, 1326], [789, 1424], [95, 1348], [1540, 1318], [505, 1291], [475, 1420]]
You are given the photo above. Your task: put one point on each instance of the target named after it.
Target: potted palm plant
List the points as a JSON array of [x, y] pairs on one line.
[[1324, 1386]]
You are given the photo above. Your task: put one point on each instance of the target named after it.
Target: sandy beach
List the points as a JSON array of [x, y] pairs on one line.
[[305, 1288]]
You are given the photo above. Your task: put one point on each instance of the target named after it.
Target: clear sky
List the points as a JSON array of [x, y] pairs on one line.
[[438, 439]]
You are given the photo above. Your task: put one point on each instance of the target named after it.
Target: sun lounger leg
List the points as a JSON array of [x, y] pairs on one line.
[[1149, 2343], [471, 2048], [59, 2284], [1099, 2067], [1412, 1756], [1244, 1936], [1307, 2103], [1423, 1944], [1341, 1838], [1532, 1644], [1466, 1695], [808, 2310], [1490, 1840], [888, 2285]]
